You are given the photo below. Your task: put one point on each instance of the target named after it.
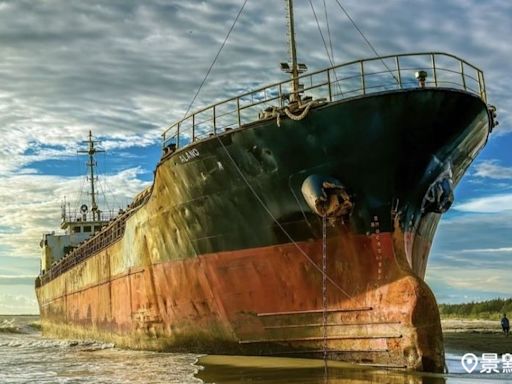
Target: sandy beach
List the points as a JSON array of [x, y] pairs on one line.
[[476, 336]]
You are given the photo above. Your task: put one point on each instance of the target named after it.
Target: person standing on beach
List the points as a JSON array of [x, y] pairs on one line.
[[505, 324]]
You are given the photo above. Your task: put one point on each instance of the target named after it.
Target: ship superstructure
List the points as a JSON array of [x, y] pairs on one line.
[[77, 226], [295, 219]]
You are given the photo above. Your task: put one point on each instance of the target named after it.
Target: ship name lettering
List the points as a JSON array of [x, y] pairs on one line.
[[189, 155]]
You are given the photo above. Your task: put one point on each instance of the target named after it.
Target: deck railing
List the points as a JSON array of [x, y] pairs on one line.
[[97, 242], [356, 78], [78, 217], [108, 235]]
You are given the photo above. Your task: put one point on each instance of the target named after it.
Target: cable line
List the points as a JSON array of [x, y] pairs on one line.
[[365, 39], [328, 30], [215, 58], [331, 60]]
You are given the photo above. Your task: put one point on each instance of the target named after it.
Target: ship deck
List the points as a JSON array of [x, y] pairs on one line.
[[345, 81]]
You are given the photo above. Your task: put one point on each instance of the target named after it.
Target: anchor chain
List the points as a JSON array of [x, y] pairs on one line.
[[324, 282], [324, 293]]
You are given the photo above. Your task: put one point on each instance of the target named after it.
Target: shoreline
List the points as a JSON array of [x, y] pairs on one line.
[[476, 336], [460, 336]]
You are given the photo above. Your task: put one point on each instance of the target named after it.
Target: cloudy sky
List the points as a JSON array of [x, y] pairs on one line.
[[127, 69]]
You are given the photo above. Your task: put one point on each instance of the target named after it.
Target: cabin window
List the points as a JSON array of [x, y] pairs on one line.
[[76, 230], [97, 228], [68, 249], [87, 228]]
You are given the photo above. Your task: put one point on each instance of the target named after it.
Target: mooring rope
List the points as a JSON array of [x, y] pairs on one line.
[[300, 116], [324, 284]]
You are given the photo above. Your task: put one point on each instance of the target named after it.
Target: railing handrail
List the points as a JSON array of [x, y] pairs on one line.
[[78, 216], [397, 70], [95, 243]]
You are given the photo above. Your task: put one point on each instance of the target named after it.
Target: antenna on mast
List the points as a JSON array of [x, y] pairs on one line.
[[91, 151], [296, 69]]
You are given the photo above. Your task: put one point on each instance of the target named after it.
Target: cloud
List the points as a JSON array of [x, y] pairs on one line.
[[484, 280], [127, 70], [487, 250], [470, 257], [487, 204], [451, 285], [15, 280], [17, 304], [491, 169], [463, 231], [36, 206]]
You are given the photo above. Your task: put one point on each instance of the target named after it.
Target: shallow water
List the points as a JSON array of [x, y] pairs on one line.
[[27, 357]]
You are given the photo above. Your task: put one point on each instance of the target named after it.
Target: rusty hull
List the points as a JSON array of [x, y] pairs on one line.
[[202, 267], [264, 301]]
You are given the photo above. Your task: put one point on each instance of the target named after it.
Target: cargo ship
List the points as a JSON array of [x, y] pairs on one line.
[[292, 220]]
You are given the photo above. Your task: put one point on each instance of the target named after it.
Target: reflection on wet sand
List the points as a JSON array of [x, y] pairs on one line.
[[264, 370]]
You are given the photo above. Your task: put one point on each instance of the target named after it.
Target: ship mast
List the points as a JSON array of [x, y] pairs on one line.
[[91, 151], [293, 53], [293, 68]]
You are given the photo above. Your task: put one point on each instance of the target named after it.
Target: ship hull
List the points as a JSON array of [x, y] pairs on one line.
[[226, 256]]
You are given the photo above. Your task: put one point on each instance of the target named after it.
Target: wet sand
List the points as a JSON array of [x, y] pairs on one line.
[[460, 337], [280, 370], [476, 336]]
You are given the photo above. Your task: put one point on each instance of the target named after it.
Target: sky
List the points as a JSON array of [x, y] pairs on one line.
[[128, 69]]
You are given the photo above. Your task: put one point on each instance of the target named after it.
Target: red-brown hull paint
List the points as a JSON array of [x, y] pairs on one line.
[[267, 301]]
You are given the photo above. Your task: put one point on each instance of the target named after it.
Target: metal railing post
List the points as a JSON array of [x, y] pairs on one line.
[[363, 82], [329, 84], [483, 92], [479, 75], [214, 120], [193, 127], [462, 74], [399, 73], [238, 107], [178, 135], [434, 71]]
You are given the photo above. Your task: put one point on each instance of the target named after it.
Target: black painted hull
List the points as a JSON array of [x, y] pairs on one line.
[[386, 149]]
